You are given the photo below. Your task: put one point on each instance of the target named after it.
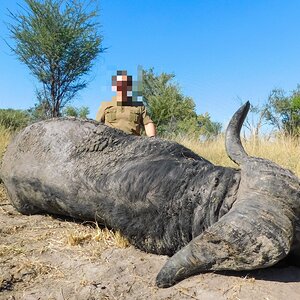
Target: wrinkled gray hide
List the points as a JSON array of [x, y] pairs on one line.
[[164, 198]]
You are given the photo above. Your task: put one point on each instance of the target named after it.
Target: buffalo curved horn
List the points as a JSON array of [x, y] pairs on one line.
[[258, 230], [234, 147]]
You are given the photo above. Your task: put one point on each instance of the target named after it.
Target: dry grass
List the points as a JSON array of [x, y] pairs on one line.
[[11, 250], [36, 268], [5, 136], [214, 151], [284, 151], [102, 235], [3, 195]]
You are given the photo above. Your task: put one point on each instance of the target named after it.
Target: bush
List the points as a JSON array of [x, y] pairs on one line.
[[14, 120], [79, 112]]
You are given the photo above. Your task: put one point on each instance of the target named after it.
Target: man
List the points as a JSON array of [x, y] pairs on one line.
[[123, 113]]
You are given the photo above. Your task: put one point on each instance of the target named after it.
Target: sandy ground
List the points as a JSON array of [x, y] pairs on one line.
[[42, 257]]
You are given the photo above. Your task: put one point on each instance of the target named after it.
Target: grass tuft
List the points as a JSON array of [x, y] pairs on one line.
[[5, 136], [104, 236], [10, 250]]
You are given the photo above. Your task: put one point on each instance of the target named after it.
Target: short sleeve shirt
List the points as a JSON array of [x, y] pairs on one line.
[[129, 119]]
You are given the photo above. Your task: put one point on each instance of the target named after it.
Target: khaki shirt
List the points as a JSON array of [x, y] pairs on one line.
[[126, 118]]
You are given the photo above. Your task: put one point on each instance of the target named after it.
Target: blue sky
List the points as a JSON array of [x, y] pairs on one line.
[[222, 51]]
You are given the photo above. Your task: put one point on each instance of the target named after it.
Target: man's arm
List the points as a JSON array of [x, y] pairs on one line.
[[100, 116], [150, 129], [149, 126]]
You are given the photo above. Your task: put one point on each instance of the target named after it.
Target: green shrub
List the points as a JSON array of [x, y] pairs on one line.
[[79, 112], [13, 119]]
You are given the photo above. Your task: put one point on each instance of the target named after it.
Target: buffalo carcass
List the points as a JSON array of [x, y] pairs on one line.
[[161, 196]]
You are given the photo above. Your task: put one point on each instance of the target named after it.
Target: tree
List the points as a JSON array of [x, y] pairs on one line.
[[208, 128], [41, 110], [254, 122], [283, 111], [170, 110], [58, 41], [81, 112]]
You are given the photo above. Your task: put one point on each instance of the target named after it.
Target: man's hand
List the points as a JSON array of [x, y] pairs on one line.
[[150, 129]]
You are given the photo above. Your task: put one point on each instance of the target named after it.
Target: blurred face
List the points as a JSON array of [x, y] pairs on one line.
[[122, 84]]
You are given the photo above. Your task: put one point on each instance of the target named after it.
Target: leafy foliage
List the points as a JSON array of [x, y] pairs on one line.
[[40, 111], [171, 111], [81, 112], [14, 120], [283, 111], [208, 128], [58, 41]]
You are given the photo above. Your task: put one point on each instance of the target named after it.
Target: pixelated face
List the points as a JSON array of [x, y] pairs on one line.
[[122, 82]]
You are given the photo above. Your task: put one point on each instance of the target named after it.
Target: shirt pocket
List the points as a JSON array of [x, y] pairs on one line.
[[111, 115], [134, 116]]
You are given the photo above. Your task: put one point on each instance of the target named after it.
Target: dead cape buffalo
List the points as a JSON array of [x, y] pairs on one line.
[[164, 198]]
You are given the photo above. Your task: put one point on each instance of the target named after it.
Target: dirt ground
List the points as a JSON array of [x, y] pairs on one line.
[[42, 257]]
